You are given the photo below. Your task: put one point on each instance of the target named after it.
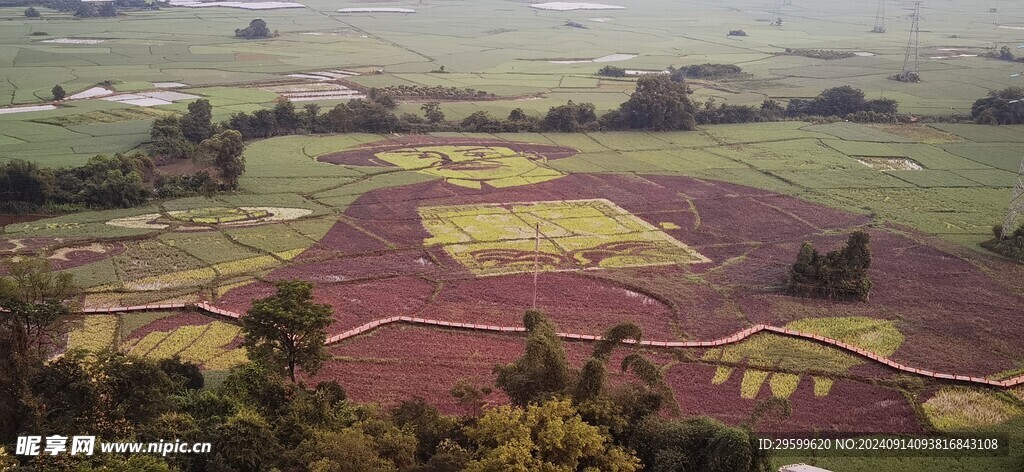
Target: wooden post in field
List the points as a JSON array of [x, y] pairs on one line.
[[536, 263]]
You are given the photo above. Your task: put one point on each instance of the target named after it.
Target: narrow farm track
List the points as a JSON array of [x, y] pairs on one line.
[[734, 338]]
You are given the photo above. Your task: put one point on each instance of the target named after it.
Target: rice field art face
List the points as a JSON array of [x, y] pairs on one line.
[[470, 165], [493, 239], [204, 218]]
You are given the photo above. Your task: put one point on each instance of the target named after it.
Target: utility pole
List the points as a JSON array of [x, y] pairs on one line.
[[536, 264], [912, 57], [1016, 204], [879, 18]]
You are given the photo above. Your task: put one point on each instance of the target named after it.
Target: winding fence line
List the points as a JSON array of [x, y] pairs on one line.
[[736, 337]]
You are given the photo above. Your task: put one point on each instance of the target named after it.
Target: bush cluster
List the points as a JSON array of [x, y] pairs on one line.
[[1000, 107], [257, 29], [838, 275], [103, 182], [1009, 245], [823, 54], [704, 71], [840, 102], [436, 92]]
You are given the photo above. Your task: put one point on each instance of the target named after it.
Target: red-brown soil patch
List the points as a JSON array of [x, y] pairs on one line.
[[396, 363], [955, 316]]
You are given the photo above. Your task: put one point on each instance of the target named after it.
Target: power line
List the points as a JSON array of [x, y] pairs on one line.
[[879, 18], [1016, 204], [912, 57]]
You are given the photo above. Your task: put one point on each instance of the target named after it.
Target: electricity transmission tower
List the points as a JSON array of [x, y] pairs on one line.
[[912, 58], [777, 13], [1016, 204], [879, 18]]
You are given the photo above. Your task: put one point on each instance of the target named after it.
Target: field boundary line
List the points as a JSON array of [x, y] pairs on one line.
[[730, 339]]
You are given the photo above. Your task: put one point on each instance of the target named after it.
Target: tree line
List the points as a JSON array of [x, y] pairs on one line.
[[658, 103], [264, 416], [127, 180], [90, 9]]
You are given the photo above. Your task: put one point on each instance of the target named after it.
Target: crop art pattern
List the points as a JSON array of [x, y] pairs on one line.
[[494, 239]]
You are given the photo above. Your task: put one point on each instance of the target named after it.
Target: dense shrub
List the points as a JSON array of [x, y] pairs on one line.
[[823, 54], [611, 71], [103, 182], [704, 71], [569, 118], [257, 29], [1000, 107], [840, 274], [435, 92], [840, 102], [1008, 245]]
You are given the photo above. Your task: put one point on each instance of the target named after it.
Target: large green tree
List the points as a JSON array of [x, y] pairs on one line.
[[197, 124], [657, 104], [224, 151], [1000, 107], [550, 436], [257, 29], [543, 371], [287, 329]]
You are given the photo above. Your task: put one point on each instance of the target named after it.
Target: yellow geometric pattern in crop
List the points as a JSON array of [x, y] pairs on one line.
[[493, 239], [218, 215], [964, 409], [96, 334], [472, 166], [202, 344], [875, 335]]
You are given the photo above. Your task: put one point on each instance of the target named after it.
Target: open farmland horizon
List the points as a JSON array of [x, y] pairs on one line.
[[459, 285]]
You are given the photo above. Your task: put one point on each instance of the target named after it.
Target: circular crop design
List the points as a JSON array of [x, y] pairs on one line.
[[198, 219]]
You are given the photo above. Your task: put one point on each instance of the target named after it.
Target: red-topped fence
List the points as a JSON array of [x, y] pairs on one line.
[[736, 337]]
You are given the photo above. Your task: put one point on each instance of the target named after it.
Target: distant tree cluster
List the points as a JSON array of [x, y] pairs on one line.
[[31, 12], [827, 55], [257, 29], [657, 104], [1000, 107], [193, 136], [1004, 54], [92, 10], [736, 32], [574, 24], [704, 71], [1007, 243], [611, 71], [844, 102], [713, 113], [58, 92], [101, 10], [840, 274], [436, 92], [103, 182]]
